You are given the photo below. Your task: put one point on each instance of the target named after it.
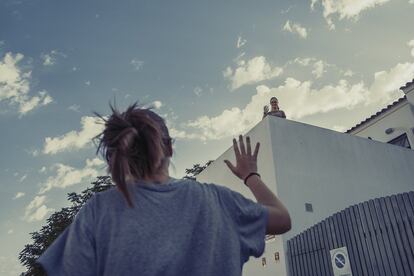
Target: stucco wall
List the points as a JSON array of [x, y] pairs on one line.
[[333, 170], [218, 173], [307, 164]]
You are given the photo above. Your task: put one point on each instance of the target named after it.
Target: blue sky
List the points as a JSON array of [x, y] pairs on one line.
[[208, 67]]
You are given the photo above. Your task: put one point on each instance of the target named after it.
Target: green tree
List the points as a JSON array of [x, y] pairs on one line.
[[56, 224], [196, 170]]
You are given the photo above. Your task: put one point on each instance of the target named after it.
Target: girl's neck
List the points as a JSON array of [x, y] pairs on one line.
[[162, 176]]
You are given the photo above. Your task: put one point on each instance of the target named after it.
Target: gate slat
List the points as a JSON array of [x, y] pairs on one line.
[[358, 267], [328, 246], [380, 232], [323, 255], [406, 223], [290, 256], [304, 255], [346, 238], [362, 242], [309, 254], [396, 234], [395, 253], [332, 232], [316, 251], [402, 232], [373, 238]]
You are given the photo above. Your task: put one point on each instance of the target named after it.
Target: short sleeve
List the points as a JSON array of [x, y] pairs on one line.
[[251, 220], [73, 252]]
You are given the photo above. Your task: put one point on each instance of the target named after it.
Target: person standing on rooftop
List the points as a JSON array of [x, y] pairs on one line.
[[275, 111], [152, 224]]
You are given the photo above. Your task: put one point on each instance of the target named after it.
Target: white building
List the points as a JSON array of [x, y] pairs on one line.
[[393, 124], [317, 172]]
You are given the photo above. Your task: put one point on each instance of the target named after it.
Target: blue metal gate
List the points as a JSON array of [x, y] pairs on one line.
[[379, 236]]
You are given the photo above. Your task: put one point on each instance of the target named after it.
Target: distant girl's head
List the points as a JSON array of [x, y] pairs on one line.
[[136, 145], [274, 103]]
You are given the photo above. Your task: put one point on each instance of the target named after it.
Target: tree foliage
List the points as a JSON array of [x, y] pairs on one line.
[[56, 224], [196, 170]]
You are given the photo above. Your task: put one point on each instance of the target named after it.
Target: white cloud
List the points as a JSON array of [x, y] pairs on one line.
[[13, 82], [287, 10], [88, 83], [66, 176], [34, 102], [22, 178], [9, 265], [239, 57], [90, 127], [157, 104], [318, 69], [15, 85], [318, 66], [50, 59], [197, 91], [411, 1], [348, 73], [295, 28], [137, 64], [255, 70], [11, 231], [303, 61], [386, 83], [43, 169], [182, 134], [240, 42], [19, 195], [411, 44], [346, 9], [300, 99], [37, 210], [74, 107], [313, 3], [34, 152]]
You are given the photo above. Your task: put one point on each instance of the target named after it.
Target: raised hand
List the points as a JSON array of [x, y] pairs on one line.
[[265, 109], [246, 162]]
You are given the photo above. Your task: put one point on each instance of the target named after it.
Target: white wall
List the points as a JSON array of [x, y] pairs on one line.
[[400, 117], [218, 173], [331, 170]]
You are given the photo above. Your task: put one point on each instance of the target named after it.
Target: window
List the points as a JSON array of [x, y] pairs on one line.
[[277, 257], [401, 141], [309, 207]]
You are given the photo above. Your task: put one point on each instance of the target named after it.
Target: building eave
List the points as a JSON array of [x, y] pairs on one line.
[[379, 113]]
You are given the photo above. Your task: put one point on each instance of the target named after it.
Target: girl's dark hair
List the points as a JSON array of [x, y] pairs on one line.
[[134, 143]]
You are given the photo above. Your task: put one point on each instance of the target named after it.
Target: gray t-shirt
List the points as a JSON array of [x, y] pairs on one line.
[[179, 228]]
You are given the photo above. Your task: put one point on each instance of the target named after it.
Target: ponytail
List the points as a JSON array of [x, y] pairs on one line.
[[134, 144]]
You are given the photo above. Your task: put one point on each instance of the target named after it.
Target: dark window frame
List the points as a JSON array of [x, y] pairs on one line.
[[401, 140]]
